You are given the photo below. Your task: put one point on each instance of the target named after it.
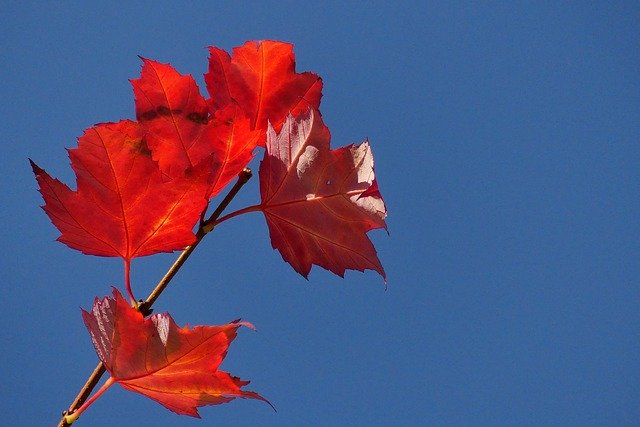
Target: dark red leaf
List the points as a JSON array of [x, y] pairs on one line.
[[320, 203]]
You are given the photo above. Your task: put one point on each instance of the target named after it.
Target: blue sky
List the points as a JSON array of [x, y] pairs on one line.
[[506, 143]]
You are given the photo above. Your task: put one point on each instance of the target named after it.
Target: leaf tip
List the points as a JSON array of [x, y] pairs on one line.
[[36, 169], [143, 59]]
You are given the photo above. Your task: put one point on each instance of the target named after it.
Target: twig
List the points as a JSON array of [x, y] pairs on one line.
[[145, 307], [205, 227]]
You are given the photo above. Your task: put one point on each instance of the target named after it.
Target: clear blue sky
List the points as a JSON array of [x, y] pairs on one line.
[[506, 142]]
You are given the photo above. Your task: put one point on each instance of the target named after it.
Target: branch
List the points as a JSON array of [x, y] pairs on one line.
[[205, 227], [145, 308]]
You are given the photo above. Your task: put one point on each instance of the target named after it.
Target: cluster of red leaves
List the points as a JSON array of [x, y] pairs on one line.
[[143, 185]]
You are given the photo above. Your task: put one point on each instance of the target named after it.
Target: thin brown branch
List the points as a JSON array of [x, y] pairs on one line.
[[145, 308], [243, 177], [205, 227]]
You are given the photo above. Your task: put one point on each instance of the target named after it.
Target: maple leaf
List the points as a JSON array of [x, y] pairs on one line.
[[180, 130], [261, 78], [122, 206], [176, 367], [320, 203], [175, 116], [234, 141]]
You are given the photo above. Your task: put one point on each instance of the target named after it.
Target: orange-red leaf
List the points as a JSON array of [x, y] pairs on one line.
[[234, 142], [180, 130], [320, 203], [175, 116], [176, 367], [261, 78], [122, 206]]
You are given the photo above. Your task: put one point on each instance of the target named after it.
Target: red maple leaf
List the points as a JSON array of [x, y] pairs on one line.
[[320, 203], [176, 367], [261, 78], [175, 117], [234, 141], [123, 206], [182, 132]]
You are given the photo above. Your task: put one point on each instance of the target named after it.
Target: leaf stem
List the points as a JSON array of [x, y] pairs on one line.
[[92, 381], [127, 280], [69, 419], [253, 208], [145, 307]]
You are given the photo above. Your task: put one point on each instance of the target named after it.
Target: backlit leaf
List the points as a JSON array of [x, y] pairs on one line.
[[176, 367], [261, 78], [122, 207], [320, 203]]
